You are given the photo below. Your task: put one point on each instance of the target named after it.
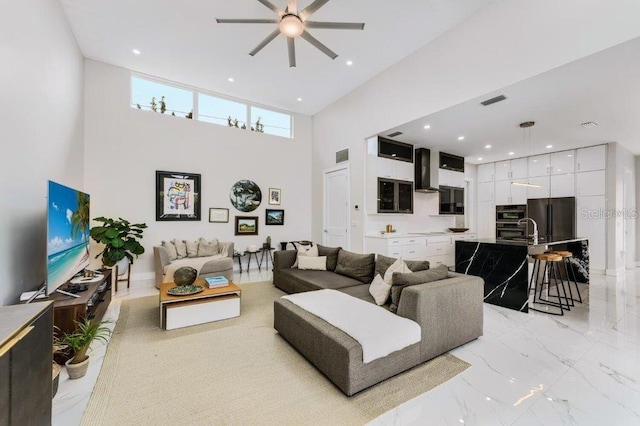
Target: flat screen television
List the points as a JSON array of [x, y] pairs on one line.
[[67, 234]]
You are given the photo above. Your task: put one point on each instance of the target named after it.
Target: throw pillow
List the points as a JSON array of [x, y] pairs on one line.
[[400, 281], [380, 290], [398, 266], [356, 266], [171, 250], [192, 248], [310, 251], [224, 249], [332, 256], [207, 249], [313, 263], [181, 248], [383, 263]]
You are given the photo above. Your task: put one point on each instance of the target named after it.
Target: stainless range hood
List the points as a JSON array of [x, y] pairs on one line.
[[426, 171]]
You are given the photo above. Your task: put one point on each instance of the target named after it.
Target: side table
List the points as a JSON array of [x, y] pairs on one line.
[[255, 255], [238, 256], [266, 252]]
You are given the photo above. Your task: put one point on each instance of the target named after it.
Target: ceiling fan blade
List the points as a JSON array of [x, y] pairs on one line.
[[271, 6], [312, 8], [292, 7], [324, 49], [291, 47], [264, 42], [247, 21], [335, 25]]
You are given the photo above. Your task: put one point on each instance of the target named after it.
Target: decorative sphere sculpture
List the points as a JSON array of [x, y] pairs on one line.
[[185, 275]]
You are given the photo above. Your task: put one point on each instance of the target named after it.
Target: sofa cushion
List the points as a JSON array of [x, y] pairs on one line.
[[332, 256], [300, 280], [171, 250], [192, 248], [208, 248], [400, 281], [361, 292], [355, 265], [217, 264], [311, 251], [383, 263], [181, 248], [313, 263]]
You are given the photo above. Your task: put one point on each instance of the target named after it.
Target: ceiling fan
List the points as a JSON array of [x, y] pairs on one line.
[[293, 24]]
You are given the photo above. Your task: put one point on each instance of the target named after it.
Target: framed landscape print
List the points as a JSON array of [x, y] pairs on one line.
[[275, 196], [274, 217], [218, 215], [177, 196], [246, 225]]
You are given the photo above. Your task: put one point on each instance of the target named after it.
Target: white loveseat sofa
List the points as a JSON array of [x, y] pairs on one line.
[[168, 259]]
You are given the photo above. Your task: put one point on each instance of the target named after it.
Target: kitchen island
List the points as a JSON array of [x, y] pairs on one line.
[[503, 265]]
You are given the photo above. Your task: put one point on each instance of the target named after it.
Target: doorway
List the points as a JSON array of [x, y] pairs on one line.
[[337, 207]]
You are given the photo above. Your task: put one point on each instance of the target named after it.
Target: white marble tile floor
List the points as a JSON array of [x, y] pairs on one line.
[[527, 369]]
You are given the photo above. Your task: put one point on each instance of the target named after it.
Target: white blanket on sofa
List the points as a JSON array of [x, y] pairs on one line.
[[195, 262], [378, 331]]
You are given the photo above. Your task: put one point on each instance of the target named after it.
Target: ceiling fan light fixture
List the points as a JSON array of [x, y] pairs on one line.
[[291, 26]]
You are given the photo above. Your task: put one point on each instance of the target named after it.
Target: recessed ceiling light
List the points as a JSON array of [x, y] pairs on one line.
[[569, 155], [460, 138], [479, 158], [136, 51], [549, 146], [349, 63], [299, 99], [511, 153], [231, 79], [487, 146], [427, 126]]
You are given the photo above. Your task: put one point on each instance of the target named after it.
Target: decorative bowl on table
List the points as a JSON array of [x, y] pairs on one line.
[[185, 276], [185, 290], [458, 229]]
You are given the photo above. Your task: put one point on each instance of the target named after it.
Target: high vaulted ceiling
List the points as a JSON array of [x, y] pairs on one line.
[[181, 41]]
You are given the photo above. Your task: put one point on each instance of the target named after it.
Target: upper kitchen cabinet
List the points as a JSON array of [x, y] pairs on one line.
[[511, 169], [539, 165], [389, 176], [507, 193], [542, 188], [563, 162], [591, 158], [450, 178], [395, 150], [485, 191], [393, 169], [486, 172]]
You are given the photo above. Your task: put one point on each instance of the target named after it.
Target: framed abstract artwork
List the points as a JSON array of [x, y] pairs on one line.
[[218, 215], [275, 196], [177, 196], [246, 225], [274, 217]]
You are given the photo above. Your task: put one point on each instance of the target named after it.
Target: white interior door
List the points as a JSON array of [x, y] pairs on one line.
[[336, 208]]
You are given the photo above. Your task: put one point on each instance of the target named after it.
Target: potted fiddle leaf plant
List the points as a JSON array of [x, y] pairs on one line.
[[121, 241], [80, 341]]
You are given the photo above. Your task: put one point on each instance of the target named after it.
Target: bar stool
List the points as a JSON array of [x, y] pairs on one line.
[[566, 260], [551, 268]]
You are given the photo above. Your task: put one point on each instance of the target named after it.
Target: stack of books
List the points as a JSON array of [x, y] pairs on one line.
[[215, 282]]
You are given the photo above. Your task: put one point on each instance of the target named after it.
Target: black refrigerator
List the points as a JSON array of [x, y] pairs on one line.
[[556, 217]]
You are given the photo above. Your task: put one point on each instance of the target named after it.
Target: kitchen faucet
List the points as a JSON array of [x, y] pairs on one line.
[[535, 228]]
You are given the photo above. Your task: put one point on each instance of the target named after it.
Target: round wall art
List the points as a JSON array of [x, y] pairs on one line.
[[245, 195]]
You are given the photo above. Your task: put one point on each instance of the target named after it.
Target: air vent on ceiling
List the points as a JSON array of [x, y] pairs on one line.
[[394, 134], [589, 124], [493, 100], [342, 156]]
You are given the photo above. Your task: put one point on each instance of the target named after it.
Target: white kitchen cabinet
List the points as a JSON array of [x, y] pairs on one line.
[[486, 219], [450, 178], [440, 251], [539, 165], [407, 247], [486, 191], [544, 190], [486, 172], [591, 158], [511, 169], [507, 193], [394, 169], [590, 183], [405, 171], [563, 162], [503, 170], [518, 194], [465, 236], [563, 185], [590, 224]]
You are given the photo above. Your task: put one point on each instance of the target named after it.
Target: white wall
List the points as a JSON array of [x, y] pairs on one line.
[[124, 147], [504, 43], [41, 118]]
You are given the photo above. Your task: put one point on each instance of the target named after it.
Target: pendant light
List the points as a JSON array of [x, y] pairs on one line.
[[526, 141]]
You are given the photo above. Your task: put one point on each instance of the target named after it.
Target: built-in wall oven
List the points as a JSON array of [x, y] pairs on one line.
[[507, 226]]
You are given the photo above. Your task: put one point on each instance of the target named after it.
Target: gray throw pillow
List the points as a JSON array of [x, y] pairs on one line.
[[400, 281], [383, 263], [207, 248], [357, 266], [192, 248], [181, 248], [332, 256]]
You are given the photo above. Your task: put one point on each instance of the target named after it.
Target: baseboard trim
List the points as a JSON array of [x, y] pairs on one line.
[[615, 272]]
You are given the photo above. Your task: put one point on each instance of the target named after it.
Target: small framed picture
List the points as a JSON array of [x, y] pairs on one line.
[[274, 217], [219, 215], [246, 225], [275, 196]]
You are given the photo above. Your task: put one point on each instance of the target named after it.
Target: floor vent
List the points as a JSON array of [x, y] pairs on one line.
[[342, 156], [493, 100], [394, 134]]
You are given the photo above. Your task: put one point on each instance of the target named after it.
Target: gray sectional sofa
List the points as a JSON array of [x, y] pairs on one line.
[[449, 312]]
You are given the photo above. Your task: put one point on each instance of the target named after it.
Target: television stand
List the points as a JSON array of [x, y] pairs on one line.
[[91, 304]]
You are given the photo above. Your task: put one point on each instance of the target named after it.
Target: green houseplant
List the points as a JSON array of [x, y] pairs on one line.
[[120, 238], [79, 341]]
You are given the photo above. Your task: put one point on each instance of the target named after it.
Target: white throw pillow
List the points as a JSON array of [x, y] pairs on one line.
[[313, 263], [380, 290], [310, 251], [397, 266], [171, 250], [181, 248], [192, 248]]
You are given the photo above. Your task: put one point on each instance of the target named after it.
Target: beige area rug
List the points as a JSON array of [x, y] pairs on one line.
[[237, 371]]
